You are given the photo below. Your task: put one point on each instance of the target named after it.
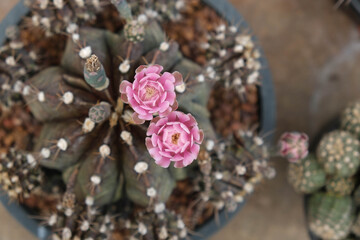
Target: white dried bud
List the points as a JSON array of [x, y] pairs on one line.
[[72, 28], [126, 137], [85, 52], [43, 4], [68, 98], [52, 220], [10, 60], [142, 229], [59, 4], [103, 229], [238, 48], [222, 53], [233, 29], [163, 234], [180, 224], [164, 46], [253, 77], [89, 201], [141, 167], [66, 234], [18, 86], [88, 125], [183, 233], [200, 78], [95, 179], [209, 145], [14, 179], [41, 97], [85, 226], [96, 4], [174, 237], [239, 63], [75, 37], [159, 208], [9, 165], [238, 198], [45, 22], [248, 187], [211, 72], [220, 36], [237, 81], [5, 87], [45, 152], [219, 205], [80, 3], [205, 45], [30, 160], [179, 4], [151, 13], [124, 67], [35, 19], [69, 212], [104, 150], [218, 175], [181, 88], [243, 39], [151, 192], [127, 116], [16, 45], [142, 19], [221, 28], [62, 144], [240, 169], [258, 141], [270, 173]]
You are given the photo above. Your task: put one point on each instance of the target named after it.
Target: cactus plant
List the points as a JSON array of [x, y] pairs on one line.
[[350, 119], [306, 176], [340, 186], [123, 113], [331, 217], [338, 152]]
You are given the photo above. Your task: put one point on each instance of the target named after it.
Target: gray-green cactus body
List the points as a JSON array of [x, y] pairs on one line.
[[306, 176], [350, 119], [76, 114], [338, 152], [331, 217], [340, 186]]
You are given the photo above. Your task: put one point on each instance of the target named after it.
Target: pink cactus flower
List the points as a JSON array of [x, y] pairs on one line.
[[294, 146], [174, 138], [151, 92]]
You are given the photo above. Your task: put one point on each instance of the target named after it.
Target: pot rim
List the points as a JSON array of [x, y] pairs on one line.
[[267, 114]]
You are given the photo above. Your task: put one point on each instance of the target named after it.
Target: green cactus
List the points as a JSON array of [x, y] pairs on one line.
[[338, 152], [340, 186], [331, 217], [350, 119], [306, 176]]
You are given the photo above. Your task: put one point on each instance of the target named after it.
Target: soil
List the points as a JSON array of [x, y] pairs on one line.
[[18, 127]]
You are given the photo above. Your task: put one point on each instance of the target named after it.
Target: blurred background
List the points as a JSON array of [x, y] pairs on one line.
[[314, 54]]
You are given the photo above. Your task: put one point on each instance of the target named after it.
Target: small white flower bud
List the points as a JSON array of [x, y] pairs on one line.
[[141, 167], [164, 46], [88, 125], [142, 19], [45, 152], [62, 144], [240, 169], [181, 88], [10, 60], [95, 179], [89, 201], [124, 67], [66, 234], [239, 63], [68, 98], [159, 208], [248, 187], [126, 137], [151, 192], [85, 226], [85, 52], [52, 220], [59, 4], [210, 144], [142, 229], [104, 150]]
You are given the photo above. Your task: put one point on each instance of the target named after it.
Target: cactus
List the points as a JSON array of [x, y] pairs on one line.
[[338, 152], [340, 186], [331, 217], [350, 119], [118, 170], [306, 176]]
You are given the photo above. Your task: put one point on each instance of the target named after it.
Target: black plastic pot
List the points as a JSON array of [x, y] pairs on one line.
[[267, 120]]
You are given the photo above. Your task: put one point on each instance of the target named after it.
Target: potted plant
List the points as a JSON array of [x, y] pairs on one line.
[[328, 176], [138, 120]]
